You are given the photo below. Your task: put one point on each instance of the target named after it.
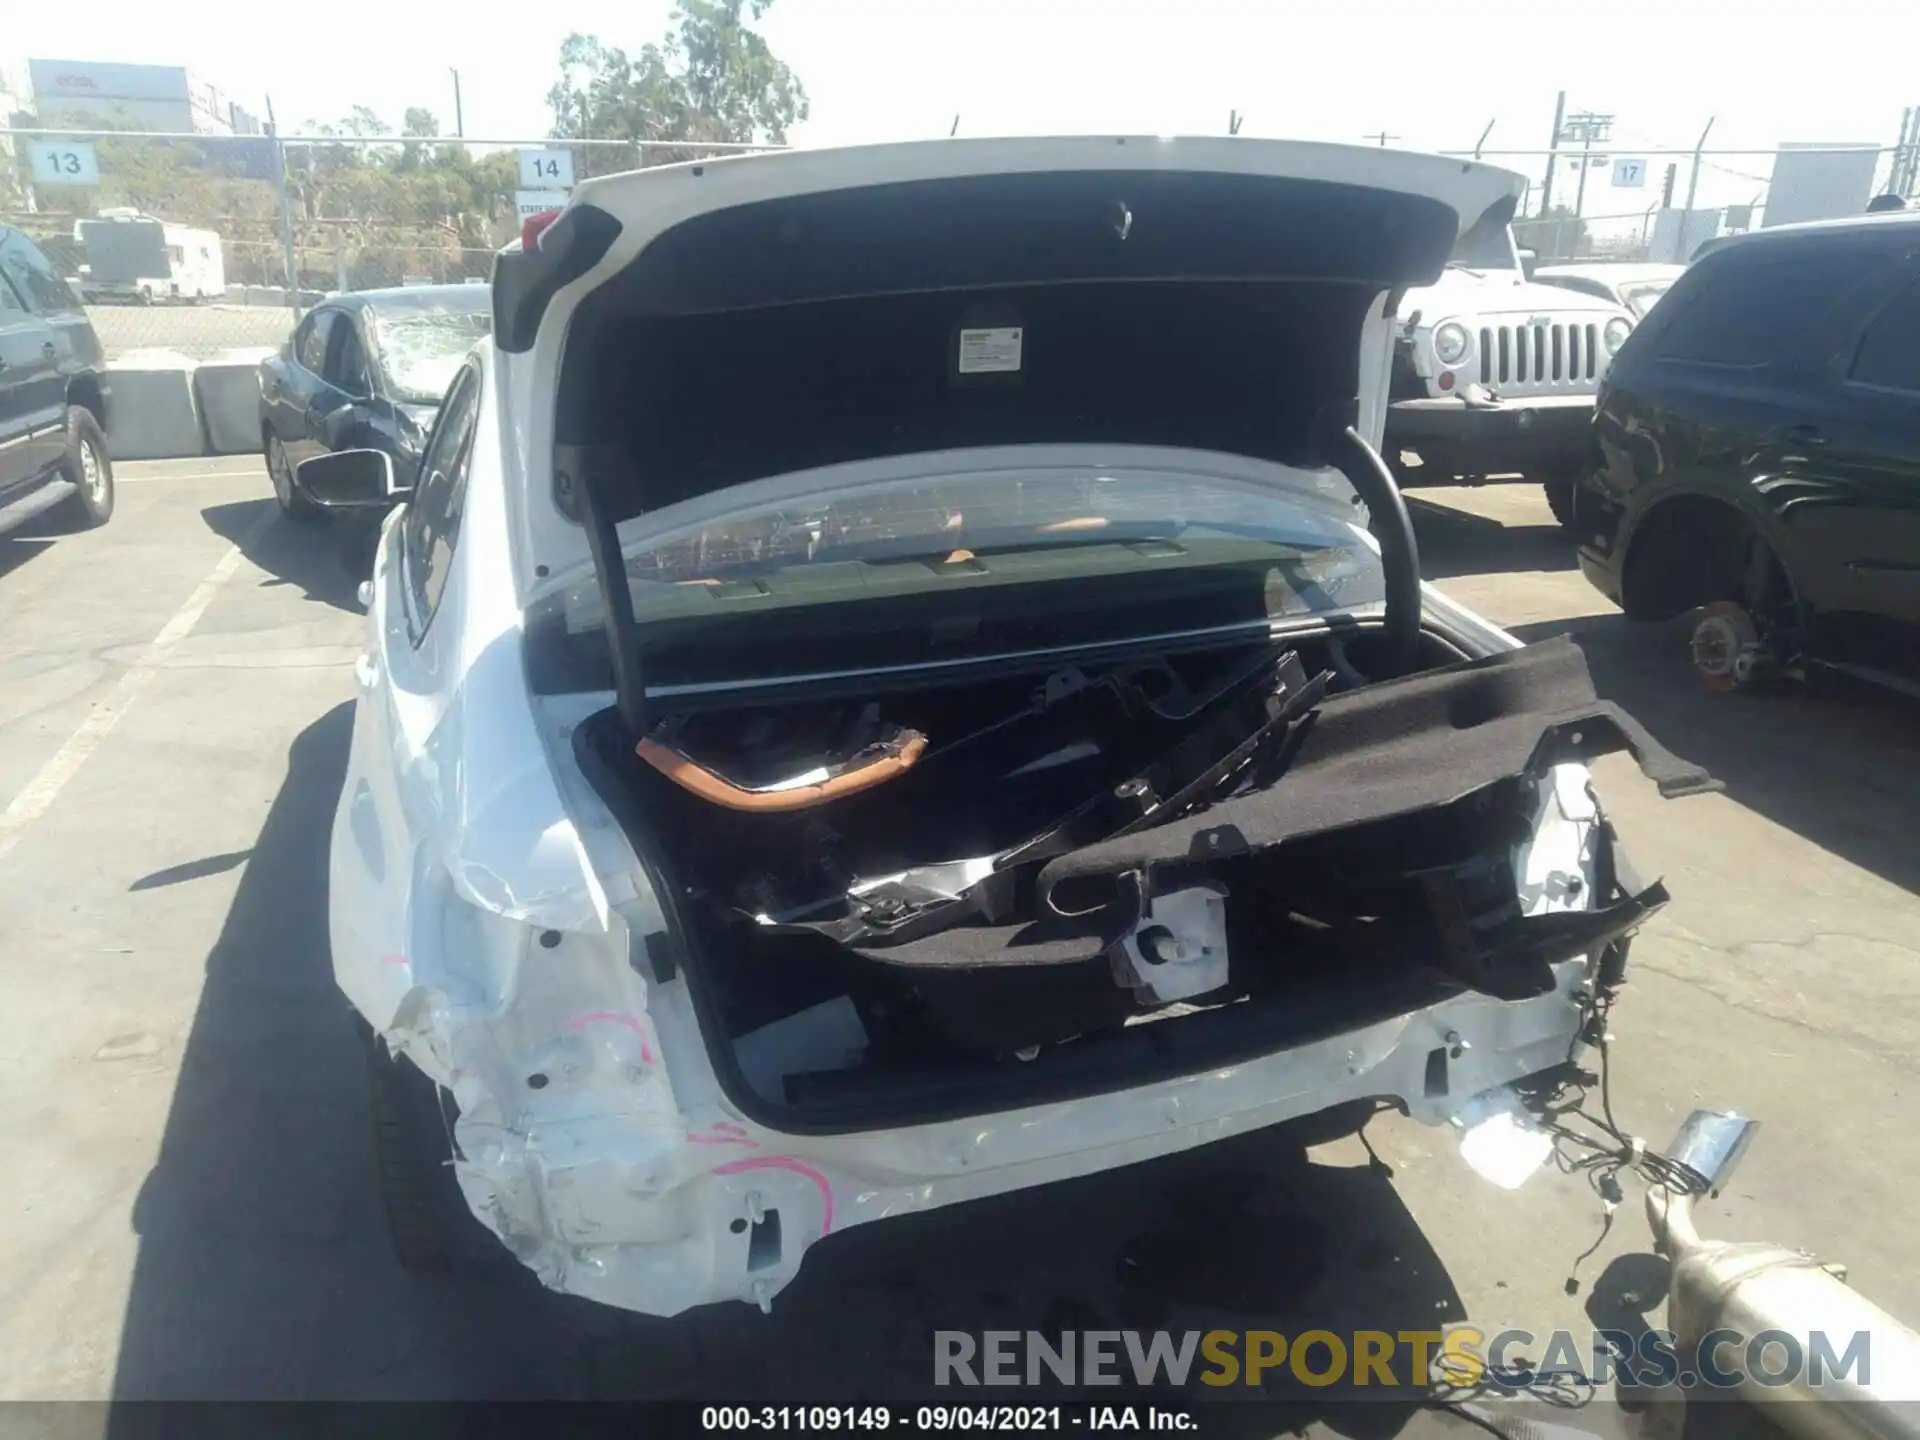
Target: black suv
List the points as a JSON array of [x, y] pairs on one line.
[[1756, 454], [53, 396]]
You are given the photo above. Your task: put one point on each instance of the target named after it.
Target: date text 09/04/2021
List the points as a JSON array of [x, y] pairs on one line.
[[921, 1419]]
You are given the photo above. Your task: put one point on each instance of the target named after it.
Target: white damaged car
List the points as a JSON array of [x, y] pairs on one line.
[[886, 692]]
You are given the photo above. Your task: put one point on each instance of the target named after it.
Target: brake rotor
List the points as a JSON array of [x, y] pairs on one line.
[[1727, 648]]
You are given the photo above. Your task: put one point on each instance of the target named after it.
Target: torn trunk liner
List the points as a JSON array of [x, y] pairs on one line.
[[951, 901]]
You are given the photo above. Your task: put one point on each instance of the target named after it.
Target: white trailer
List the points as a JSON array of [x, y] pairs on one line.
[[142, 260]]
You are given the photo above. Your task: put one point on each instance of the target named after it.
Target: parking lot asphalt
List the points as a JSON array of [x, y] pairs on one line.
[[193, 1206]]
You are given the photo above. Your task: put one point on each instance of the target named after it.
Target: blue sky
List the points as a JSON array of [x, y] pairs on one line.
[[1432, 74]]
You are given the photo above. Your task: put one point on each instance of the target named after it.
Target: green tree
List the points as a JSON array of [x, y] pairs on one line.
[[711, 77], [363, 214]]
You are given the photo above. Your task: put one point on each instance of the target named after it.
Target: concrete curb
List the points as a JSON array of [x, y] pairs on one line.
[[155, 415], [228, 390]]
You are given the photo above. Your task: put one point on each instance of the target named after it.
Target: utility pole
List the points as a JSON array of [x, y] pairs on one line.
[[1234, 121], [1481, 143], [1666, 187], [1906, 155], [286, 209], [459, 120], [1381, 136], [1553, 152], [1693, 188], [1586, 127]]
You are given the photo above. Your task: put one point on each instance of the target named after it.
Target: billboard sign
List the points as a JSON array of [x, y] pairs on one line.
[[81, 80]]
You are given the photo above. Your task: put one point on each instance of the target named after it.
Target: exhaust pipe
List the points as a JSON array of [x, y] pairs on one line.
[[1753, 1288]]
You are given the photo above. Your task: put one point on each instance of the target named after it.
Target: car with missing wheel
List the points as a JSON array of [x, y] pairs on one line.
[[364, 370], [54, 459], [1495, 374], [902, 676], [1756, 456]]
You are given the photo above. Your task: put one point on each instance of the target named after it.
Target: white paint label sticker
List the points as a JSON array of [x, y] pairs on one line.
[[983, 352], [538, 202]]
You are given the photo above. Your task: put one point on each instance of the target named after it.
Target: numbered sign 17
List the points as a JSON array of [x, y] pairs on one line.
[[546, 169], [63, 163]]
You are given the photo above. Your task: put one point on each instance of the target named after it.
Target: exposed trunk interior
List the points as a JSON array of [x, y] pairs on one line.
[[1088, 877]]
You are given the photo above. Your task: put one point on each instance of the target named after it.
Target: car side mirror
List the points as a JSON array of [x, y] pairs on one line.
[[350, 480]]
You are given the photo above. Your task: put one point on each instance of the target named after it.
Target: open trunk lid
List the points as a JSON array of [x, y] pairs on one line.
[[719, 323]]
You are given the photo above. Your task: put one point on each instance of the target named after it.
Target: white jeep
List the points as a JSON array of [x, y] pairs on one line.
[[1496, 375]]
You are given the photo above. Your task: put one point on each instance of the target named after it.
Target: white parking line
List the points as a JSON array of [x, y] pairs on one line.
[[41, 791], [257, 473]]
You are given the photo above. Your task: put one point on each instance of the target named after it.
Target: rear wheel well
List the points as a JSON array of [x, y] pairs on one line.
[[84, 391], [1693, 550]]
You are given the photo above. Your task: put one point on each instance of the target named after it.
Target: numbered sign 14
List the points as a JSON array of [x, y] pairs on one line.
[[63, 163], [546, 169]]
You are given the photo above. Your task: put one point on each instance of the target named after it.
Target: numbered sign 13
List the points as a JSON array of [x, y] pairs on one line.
[[63, 163]]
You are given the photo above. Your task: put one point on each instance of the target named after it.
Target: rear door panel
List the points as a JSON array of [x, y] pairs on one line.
[[290, 406], [21, 335], [1860, 450], [31, 348]]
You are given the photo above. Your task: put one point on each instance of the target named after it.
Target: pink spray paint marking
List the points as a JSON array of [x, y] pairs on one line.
[[614, 1017], [798, 1167], [395, 960], [727, 1127]]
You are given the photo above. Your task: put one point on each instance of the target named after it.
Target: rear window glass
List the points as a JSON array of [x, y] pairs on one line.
[[1756, 308], [1889, 353]]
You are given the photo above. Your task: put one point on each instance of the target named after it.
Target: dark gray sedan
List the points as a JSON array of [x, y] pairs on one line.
[[365, 371]]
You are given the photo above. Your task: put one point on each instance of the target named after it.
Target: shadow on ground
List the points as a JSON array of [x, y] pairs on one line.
[[264, 1270], [17, 549], [1836, 764], [1458, 542], [327, 558]]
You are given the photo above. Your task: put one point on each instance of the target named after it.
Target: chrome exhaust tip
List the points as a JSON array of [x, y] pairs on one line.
[[1711, 1145]]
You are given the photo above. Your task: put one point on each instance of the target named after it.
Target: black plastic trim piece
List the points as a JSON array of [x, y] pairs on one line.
[[616, 601], [1348, 450], [525, 282]]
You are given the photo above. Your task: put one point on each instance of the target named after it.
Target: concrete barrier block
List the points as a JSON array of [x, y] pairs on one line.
[[154, 415], [229, 394]]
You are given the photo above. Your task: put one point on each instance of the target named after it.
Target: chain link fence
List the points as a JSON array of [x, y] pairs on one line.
[[251, 230], [1586, 221], [255, 228]]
